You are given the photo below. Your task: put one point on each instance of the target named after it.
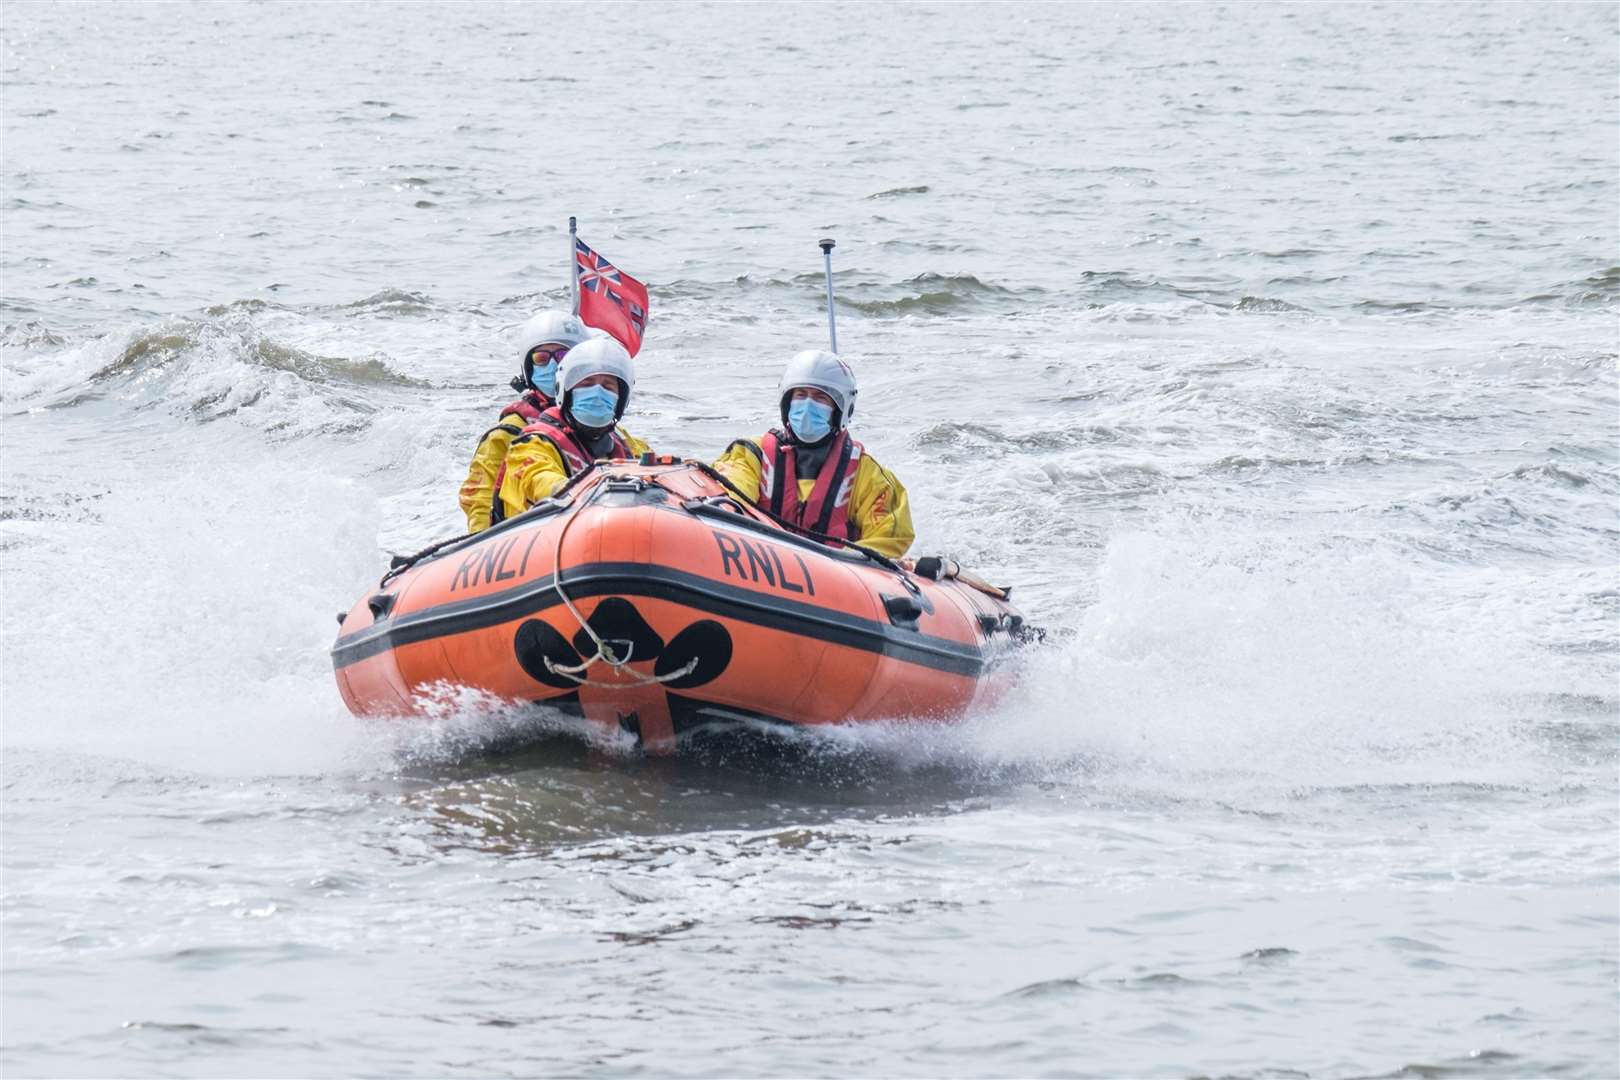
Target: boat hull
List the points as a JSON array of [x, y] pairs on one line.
[[711, 611]]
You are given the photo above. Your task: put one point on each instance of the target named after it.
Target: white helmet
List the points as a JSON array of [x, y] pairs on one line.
[[597, 356], [548, 328], [824, 371], [558, 327]]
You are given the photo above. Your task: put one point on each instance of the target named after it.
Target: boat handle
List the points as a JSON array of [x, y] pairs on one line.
[[903, 608]]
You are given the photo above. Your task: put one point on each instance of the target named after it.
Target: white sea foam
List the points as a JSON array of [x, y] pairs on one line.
[[185, 619]]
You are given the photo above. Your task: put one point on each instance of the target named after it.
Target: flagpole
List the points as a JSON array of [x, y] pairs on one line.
[[573, 260], [832, 327]]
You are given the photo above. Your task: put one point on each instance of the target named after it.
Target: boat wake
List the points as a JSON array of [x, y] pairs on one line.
[[1213, 658]]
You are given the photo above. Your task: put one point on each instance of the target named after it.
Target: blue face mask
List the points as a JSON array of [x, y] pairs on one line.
[[810, 420], [593, 406], [544, 378]]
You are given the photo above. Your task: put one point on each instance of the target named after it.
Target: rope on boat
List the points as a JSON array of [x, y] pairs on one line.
[[401, 563], [575, 672], [822, 538], [398, 564]]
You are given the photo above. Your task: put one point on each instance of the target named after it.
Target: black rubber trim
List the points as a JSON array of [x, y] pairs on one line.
[[661, 583]]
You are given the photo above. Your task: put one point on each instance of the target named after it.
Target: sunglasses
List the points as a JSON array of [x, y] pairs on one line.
[[543, 355]]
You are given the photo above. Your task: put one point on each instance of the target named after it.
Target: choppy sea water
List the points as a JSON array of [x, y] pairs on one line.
[[1268, 351]]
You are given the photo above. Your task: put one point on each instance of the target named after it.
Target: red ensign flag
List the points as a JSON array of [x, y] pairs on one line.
[[610, 299]]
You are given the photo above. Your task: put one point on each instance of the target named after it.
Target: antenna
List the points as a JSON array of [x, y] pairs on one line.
[[832, 327]]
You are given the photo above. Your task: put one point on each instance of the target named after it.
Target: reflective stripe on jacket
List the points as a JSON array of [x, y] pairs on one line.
[[877, 513], [826, 509]]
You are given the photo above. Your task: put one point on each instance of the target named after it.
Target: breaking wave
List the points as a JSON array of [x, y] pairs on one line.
[[1219, 664], [1601, 289], [925, 294], [1109, 294], [206, 369], [392, 302]]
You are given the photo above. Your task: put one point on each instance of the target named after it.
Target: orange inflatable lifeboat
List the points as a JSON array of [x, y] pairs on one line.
[[644, 597]]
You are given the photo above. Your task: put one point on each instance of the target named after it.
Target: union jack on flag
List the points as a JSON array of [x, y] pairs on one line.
[[610, 299]]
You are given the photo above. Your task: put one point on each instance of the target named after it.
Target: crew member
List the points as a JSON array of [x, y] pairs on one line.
[[812, 472], [594, 384], [542, 343]]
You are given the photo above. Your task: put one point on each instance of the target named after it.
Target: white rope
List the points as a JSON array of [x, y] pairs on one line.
[[574, 672]]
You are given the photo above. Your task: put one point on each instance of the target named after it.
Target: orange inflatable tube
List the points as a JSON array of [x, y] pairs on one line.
[[645, 598]]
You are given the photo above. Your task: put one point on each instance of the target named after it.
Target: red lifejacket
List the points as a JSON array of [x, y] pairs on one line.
[[527, 408], [827, 510], [551, 427]]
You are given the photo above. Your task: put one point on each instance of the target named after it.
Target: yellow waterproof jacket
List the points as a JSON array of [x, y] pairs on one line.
[[478, 491], [878, 506], [536, 466]]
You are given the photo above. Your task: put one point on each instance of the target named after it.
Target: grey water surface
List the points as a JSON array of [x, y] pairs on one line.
[[1268, 351]]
